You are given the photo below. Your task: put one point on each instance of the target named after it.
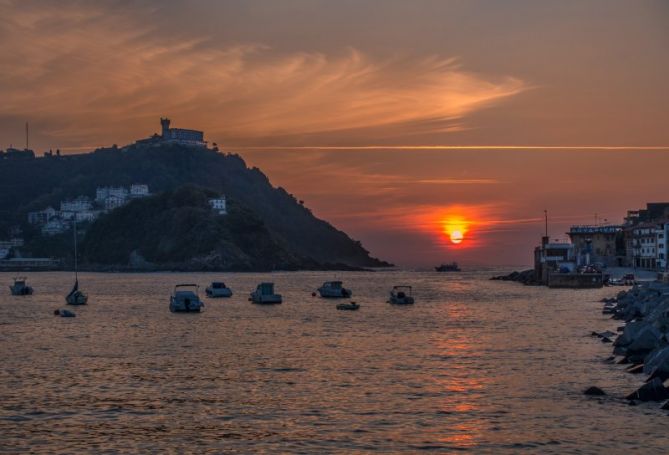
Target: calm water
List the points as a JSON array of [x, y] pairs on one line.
[[475, 365]]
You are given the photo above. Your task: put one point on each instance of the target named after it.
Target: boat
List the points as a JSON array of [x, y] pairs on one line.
[[218, 289], [76, 296], [20, 287], [186, 299], [64, 313], [401, 295], [452, 267], [348, 306], [334, 290], [264, 294]]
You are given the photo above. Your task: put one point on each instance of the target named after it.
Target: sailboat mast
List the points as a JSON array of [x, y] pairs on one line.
[[76, 277]]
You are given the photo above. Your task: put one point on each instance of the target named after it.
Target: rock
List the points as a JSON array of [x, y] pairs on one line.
[[651, 391], [665, 405], [606, 340], [594, 391]]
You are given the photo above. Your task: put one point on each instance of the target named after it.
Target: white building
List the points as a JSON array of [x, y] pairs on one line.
[[88, 215], [103, 192], [139, 190], [218, 205], [112, 202], [41, 216], [55, 226], [80, 204]]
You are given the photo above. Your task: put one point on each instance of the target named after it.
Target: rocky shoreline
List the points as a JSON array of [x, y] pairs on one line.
[[642, 343], [527, 277]]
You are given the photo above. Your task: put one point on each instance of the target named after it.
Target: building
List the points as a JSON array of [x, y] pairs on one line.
[[55, 226], [103, 192], [180, 135], [550, 257], [219, 205], [644, 246], [598, 244], [138, 190], [112, 202], [41, 216], [662, 240], [80, 204]]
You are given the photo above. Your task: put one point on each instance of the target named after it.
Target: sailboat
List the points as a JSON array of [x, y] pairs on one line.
[[76, 297]]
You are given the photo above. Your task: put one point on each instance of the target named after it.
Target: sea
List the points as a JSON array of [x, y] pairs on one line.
[[474, 366]]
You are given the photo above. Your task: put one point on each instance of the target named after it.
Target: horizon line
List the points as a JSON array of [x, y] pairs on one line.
[[418, 147], [460, 147]]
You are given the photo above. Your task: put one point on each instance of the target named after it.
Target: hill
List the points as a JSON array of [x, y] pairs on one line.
[[34, 184]]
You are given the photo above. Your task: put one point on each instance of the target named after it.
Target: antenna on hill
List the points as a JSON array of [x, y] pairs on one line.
[[546, 221], [27, 142]]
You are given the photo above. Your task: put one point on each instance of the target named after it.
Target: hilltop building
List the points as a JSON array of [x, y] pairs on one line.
[[174, 136], [219, 205]]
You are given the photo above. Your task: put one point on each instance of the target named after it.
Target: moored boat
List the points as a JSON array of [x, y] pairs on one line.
[[401, 295], [334, 290], [20, 287], [186, 299], [348, 306], [76, 296], [218, 289], [264, 294]]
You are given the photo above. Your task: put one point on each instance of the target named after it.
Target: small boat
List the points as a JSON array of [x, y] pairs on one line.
[[348, 306], [401, 295], [186, 299], [452, 267], [20, 287], [218, 289], [64, 313], [334, 290], [264, 294], [75, 296]]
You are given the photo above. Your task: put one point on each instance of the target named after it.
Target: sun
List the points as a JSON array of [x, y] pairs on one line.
[[457, 236]]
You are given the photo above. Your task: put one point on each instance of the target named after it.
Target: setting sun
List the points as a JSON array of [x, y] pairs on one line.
[[455, 227]]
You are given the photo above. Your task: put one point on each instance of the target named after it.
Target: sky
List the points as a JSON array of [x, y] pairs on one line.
[[411, 125]]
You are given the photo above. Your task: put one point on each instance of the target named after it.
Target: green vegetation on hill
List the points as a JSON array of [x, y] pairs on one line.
[[180, 229], [35, 184]]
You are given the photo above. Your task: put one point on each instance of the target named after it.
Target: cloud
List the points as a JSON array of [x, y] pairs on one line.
[[94, 73]]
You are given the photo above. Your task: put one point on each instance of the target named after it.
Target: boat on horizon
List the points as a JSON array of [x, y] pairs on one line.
[[452, 267], [186, 299], [20, 287]]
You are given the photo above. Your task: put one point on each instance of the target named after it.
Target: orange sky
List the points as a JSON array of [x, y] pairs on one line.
[[273, 80]]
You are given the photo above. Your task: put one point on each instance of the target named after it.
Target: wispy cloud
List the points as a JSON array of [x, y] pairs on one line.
[[89, 72]]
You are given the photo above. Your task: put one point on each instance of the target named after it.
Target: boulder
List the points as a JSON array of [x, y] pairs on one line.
[[651, 391], [594, 391]]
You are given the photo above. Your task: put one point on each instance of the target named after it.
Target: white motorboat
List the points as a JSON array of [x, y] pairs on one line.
[[20, 287], [186, 299], [334, 290], [401, 295], [264, 294], [218, 289]]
